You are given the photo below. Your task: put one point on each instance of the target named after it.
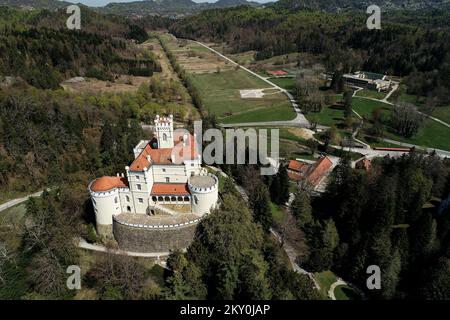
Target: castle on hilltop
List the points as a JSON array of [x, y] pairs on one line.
[[156, 204]]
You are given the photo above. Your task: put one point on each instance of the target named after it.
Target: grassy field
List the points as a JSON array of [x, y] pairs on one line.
[[278, 213], [431, 134], [370, 94], [219, 84], [285, 83], [329, 116], [442, 113], [221, 96], [345, 293], [365, 107], [325, 279]]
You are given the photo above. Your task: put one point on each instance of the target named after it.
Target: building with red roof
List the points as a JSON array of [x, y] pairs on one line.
[[277, 72], [166, 171], [314, 173]]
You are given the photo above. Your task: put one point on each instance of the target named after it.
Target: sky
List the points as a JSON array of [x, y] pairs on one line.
[[101, 3]]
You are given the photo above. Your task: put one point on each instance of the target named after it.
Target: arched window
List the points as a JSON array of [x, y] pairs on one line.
[[154, 198], [186, 198], [173, 199], [164, 137]]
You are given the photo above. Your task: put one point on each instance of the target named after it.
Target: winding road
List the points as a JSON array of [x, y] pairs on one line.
[[17, 201]]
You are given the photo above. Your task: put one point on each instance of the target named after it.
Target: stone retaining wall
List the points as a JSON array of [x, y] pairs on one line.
[[139, 239]]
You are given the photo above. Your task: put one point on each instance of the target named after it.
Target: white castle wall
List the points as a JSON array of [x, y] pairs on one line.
[[204, 199], [106, 204]]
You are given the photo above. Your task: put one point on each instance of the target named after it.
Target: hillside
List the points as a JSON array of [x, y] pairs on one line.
[[399, 49], [37, 4], [339, 5], [36, 46], [172, 8]]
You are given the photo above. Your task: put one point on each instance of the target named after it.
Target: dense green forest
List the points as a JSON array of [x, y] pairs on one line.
[[392, 217], [342, 40], [38, 48]]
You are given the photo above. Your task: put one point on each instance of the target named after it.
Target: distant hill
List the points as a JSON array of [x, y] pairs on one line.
[[174, 8], [339, 5], [233, 3], [35, 4]]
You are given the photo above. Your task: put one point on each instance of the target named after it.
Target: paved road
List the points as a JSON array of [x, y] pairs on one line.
[[15, 202], [339, 282], [100, 248], [300, 120], [439, 152]]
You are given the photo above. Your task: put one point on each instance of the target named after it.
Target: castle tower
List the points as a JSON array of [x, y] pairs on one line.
[[204, 190], [164, 131]]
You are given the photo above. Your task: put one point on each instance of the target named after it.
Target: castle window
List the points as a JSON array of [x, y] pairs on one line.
[[167, 179], [128, 198], [163, 170], [141, 200], [195, 199], [138, 186], [137, 177], [164, 137], [116, 200]]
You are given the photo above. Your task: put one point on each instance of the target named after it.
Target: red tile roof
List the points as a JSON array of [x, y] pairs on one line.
[[320, 168], [164, 155], [277, 72], [314, 173], [108, 183], [170, 189], [298, 166]]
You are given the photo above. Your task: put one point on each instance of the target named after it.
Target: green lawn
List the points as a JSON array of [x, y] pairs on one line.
[[442, 113], [221, 96], [370, 94], [365, 107], [431, 134], [329, 116], [345, 293], [325, 279], [285, 83], [278, 213]]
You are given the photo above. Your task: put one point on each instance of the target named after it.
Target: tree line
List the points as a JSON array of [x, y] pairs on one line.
[[343, 41]]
